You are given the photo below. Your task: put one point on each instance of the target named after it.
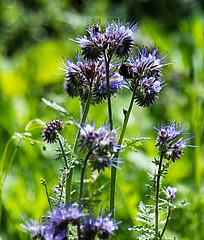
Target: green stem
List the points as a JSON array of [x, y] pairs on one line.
[[167, 219], [107, 62], [81, 189], [83, 119], [67, 197], [3, 159], [113, 169], [82, 175], [157, 198], [48, 199], [2, 179], [63, 153]]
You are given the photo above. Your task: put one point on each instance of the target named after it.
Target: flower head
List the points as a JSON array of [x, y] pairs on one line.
[[53, 127], [101, 226], [85, 76], [100, 142], [168, 141], [170, 192], [143, 74], [60, 218], [55, 224], [147, 90], [150, 62], [117, 38], [120, 37], [92, 138], [100, 93], [37, 231]]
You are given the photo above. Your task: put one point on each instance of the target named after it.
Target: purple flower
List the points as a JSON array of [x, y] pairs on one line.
[[89, 137], [143, 74], [101, 143], [65, 215], [168, 142], [120, 37], [146, 63], [115, 85], [117, 38], [53, 127], [90, 50], [37, 231], [55, 225], [86, 76], [146, 91], [92, 139], [82, 76], [149, 62], [59, 219], [170, 192], [101, 226]]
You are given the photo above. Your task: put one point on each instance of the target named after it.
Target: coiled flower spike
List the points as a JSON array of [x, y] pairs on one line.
[[100, 143], [144, 75], [56, 223], [117, 38], [53, 127], [98, 226], [85, 76], [168, 142]]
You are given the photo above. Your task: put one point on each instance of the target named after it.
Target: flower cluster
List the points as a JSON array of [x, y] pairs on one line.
[[117, 38], [53, 127], [86, 76], [168, 142], [143, 73], [56, 223], [103, 227], [100, 142]]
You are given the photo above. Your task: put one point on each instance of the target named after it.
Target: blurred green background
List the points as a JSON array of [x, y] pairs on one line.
[[33, 38]]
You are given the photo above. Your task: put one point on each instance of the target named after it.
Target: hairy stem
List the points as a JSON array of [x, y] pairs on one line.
[[157, 198], [82, 175], [81, 189], [43, 182], [113, 169], [167, 219], [83, 119], [63, 153], [67, 197], [107, 62]]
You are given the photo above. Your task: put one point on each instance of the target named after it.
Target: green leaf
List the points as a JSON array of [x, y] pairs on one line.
[[57, 107], [33, 124], [134, 142]]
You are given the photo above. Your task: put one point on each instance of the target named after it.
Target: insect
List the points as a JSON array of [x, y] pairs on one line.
[[96, 26], [125, 70]]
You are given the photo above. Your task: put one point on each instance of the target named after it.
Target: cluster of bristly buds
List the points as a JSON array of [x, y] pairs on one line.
[[56, 223], [90, 76], [51, 130], [100, 143], [144, 75], [169, 143], [115, 39], [103, 227]]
